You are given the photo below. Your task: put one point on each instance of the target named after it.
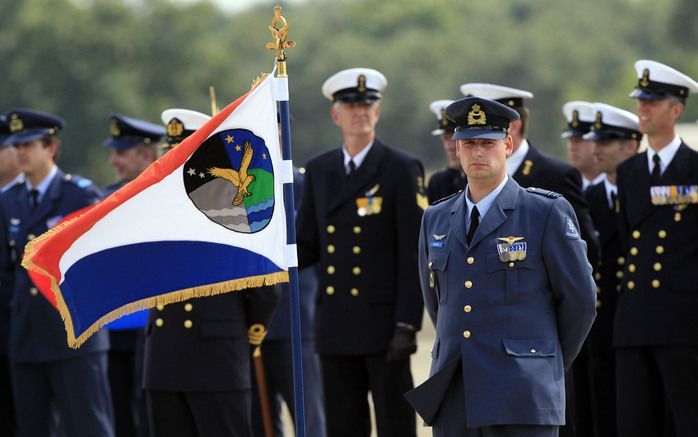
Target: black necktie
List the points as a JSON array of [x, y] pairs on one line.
[[34, 198], [614, 197], [352, 168], [474, 221], [656, 170]]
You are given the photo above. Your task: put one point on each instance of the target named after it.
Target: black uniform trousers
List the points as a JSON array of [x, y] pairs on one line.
[[84, 407], [450, 419], [125, 376], [641, 374], [7, 407], [347, 379], [199, 414]]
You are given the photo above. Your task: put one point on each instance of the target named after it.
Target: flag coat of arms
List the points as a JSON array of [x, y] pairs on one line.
[[206, 218]]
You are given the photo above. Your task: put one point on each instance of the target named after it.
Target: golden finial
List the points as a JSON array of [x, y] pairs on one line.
[[280, 44], [214, 105]]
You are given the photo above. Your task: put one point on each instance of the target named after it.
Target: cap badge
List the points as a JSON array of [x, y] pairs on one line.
[[597, 123], [444, 120], [476, 116], [114, 129], [16, 123], [175, 128], [361, 84], [645, 81], [575, 118]]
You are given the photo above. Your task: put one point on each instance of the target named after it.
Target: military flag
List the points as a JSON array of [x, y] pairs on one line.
[[206, 218]]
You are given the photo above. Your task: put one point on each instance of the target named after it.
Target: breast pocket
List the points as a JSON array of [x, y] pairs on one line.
[[438, 282], [511, 281]]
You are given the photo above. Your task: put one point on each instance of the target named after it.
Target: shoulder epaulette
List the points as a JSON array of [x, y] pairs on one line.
[[78, 180], [443, 199], [542, 192]]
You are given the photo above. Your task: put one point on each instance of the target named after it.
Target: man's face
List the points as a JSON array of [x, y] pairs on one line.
[[580, 153], [129, 163], [610, 153], [657, 116], [484, 160], [9, 167], [35, 156], [356, 118], [450, 150]]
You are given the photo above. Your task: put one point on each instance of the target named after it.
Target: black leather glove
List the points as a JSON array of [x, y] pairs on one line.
[[403, 344]]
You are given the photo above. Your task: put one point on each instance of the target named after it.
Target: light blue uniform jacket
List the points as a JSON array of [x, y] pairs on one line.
[[515, 326]]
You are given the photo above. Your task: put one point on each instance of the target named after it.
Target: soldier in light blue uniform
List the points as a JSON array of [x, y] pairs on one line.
[[45, 371], [506, 282]]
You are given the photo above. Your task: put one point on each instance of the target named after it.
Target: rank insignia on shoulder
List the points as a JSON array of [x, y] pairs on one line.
[[369, 205], [674, 194], [542, 192], [511, 249], [570, 229]]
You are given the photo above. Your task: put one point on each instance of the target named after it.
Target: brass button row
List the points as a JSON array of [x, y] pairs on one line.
[[330, 291], [356, 250], [331, 229], [160, 322], [468, 284]]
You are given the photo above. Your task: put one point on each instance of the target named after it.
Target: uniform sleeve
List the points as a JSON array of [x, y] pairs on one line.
[[306, 226], [569, 272], [410, 199], [623, 223], [260, 305], [574, 195], [431, 303]]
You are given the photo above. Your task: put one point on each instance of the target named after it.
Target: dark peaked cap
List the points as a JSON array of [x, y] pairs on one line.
[[476, 117]]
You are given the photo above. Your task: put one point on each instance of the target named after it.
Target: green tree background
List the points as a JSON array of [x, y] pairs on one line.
[[83, 59]]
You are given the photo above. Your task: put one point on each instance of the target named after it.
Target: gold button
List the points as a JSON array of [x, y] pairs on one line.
[[621, 261], [657, 267], [160, 307], [533, 351], [467, 308], [330, 229], [187, 324], [597, 276], [636, 234], [330, 248], [633, 251], [330, 270], [661, 234], [470, 260], [30, 237], [357, 229], [660, 250], [188, 307], [33, 291], [329, 290], [631, 285], [466, 334], [430, 264], [159, 323], [598, 304], [631, 269], [598, 290], [655, 283], [354, 291], [468, 284], [356, 250], [511, 265], [356, 271]]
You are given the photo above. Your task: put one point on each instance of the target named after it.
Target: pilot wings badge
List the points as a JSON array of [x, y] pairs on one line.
[[511, 249]]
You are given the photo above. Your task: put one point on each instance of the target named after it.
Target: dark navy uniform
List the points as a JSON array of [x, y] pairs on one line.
[[445, 182], [368, 277], [656, 328], [608, 274], [198, 353]]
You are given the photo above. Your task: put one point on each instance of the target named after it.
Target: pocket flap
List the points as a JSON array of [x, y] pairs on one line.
[[494, 264], [438, 261], [530, 348]]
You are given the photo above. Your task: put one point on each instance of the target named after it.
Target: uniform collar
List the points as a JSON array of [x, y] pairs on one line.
[[516, 158], [586, 183], [44, 184], [610, 188], [358, 158], [485, 203], [666, 154]]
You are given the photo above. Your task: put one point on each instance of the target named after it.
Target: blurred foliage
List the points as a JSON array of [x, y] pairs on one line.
[[83, 59]]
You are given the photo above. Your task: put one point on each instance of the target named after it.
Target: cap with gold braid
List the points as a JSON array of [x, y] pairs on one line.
[[127, 132], [443, 124], [28, 125], [579, 116], [658, 81], [180, 123], [478, 118]]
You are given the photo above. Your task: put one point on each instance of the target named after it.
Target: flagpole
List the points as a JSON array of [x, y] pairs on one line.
[[280, 44]]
